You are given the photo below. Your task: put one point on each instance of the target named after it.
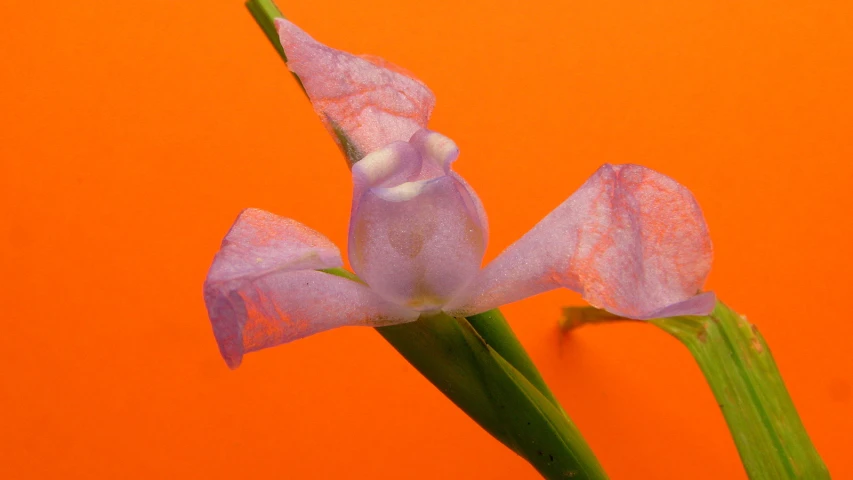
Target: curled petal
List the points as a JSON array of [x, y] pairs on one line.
[[365, 102], [390, 166], [419, 243], [263, 290], [437, 151], [631, 240]]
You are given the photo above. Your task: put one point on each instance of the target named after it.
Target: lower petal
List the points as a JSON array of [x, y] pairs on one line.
[[249, 315]]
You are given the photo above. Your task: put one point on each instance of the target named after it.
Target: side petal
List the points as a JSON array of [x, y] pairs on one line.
[[631, 240], [263, 290], [364, 102]]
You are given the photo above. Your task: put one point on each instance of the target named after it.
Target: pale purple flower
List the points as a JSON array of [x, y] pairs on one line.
[[631, 240]]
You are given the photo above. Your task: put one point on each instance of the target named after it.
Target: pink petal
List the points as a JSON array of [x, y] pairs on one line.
[[260, 242], [369, 100], [416, 243], [263, 288], [631, 240]]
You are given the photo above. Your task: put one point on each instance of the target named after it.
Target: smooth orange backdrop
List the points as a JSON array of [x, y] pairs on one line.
[[134, 132]]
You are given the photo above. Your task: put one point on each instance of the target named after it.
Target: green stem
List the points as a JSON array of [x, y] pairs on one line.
[[574, 317], [452, 355], [772, 442], [495, 330], [480, 365], [265, 12]]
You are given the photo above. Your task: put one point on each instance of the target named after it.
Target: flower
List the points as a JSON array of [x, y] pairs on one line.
[[631, 240]]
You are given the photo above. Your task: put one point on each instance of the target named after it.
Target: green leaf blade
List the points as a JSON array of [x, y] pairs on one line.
[[740, 369]]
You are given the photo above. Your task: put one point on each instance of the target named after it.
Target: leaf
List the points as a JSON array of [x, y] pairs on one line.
[[772, 442], [739, 368]]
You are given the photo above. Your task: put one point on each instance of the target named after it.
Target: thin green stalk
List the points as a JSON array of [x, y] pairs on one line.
[[265, 12], [772, 442]]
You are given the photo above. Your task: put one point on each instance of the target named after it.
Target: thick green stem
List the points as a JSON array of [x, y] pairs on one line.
[[738, 366], [495, 330], [480, 365], [452, 355]]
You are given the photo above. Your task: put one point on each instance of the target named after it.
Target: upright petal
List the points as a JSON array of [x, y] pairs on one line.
[[415, 242], [263, 288], [365, 102], [631, 240]]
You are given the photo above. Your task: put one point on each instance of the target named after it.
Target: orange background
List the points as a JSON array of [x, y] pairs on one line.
[[134, 132]]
